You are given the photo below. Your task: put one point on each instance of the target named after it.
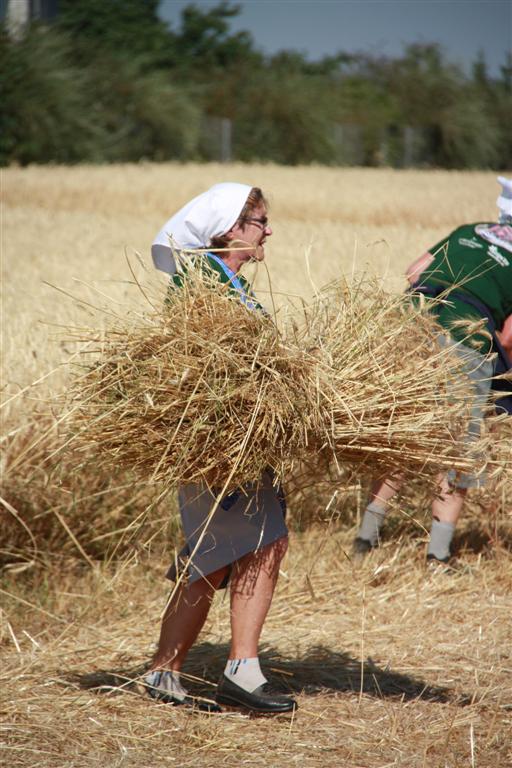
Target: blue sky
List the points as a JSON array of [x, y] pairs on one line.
[[323, 27]]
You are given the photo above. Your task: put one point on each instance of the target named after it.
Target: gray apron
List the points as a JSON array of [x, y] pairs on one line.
[[245, 521]]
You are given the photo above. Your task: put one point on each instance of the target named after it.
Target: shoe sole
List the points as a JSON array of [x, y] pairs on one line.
[[358, 553], [227, 701]]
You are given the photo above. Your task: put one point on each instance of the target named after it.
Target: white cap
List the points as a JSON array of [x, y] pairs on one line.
[[504, 201], [208, 215]]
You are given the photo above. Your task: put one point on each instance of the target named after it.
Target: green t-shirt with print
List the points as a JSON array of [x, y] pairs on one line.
[[475, 259]]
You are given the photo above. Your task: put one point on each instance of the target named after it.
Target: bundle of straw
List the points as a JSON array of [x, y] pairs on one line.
[[393, 398], [207, 390], [204, 390]]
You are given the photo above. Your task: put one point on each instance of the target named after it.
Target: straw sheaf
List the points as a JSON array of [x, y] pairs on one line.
[[208, 390], [195, 391], [396, 400]]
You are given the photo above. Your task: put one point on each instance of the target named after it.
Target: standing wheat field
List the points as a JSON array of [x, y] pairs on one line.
[[390, 667]]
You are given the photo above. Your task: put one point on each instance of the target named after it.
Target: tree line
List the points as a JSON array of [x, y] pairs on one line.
[[108, 81]]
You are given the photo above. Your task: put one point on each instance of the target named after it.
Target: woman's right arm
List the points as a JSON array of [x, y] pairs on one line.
[[505, 336], [417, 267]]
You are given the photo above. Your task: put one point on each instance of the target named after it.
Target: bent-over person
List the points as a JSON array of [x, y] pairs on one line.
[[472, 269]]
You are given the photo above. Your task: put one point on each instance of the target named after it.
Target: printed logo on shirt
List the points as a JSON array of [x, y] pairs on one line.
[[494, 253], [469, 243], [497, 234]]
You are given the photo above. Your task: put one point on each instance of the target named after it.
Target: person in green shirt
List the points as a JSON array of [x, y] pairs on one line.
[[471, 271], [246, 538]]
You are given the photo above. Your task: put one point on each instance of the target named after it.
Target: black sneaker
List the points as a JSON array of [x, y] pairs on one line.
[[263, 699], [361, 548]]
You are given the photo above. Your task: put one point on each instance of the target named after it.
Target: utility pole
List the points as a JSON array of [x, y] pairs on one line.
[[226, 140], [20, 13], [17, 17]]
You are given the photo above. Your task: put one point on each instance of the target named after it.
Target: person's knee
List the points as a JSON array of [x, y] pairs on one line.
[[267, 558], [204, 588]]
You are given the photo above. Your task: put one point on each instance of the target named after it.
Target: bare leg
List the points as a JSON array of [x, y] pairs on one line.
[[446, 509], [183, 620], [383, 490], [447, 506], [253, 581]]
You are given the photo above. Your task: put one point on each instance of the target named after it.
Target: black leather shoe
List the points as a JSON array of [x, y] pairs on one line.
[[263, 699]]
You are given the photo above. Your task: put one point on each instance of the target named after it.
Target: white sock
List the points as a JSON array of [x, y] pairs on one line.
[[441, 535], [246, 673], [166, 681], [372, 521]]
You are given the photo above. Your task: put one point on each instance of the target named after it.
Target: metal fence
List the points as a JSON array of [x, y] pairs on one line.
[[396, 146]]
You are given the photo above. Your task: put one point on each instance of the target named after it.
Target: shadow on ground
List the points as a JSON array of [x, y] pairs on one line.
[[482, 541], [321, 670]]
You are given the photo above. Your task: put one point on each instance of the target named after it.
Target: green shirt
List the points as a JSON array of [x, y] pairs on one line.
[[475, 259], [210, 265]]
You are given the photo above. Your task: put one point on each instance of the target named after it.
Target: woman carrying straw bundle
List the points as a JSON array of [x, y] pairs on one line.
[[239, 539], [470, 271]]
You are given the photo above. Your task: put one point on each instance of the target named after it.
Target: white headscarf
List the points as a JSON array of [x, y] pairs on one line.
[[504, 201], [208, 215]]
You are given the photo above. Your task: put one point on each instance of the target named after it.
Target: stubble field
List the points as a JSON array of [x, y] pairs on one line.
[[391, 667]]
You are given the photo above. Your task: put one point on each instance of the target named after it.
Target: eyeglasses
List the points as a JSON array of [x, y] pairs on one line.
[[262, 221]]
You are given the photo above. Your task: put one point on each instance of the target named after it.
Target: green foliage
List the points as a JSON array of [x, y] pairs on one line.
[[283, 118], [365, 101], [44, 102], [424, 84], [459, 118], [205, 45], [109, 81], [499, 102], [144, 115], [113, 110], [125, 28], [469, 135]]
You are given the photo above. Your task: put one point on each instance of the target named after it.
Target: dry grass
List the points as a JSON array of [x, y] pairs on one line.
[[391, 668], [434, 653]]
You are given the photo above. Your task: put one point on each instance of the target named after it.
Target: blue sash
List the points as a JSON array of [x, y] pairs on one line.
[[245, 298]]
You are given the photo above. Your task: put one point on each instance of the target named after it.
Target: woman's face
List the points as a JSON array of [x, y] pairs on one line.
[[252, 231]]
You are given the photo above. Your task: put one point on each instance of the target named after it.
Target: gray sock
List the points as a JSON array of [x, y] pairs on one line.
[[373, 518], [441, 535]]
